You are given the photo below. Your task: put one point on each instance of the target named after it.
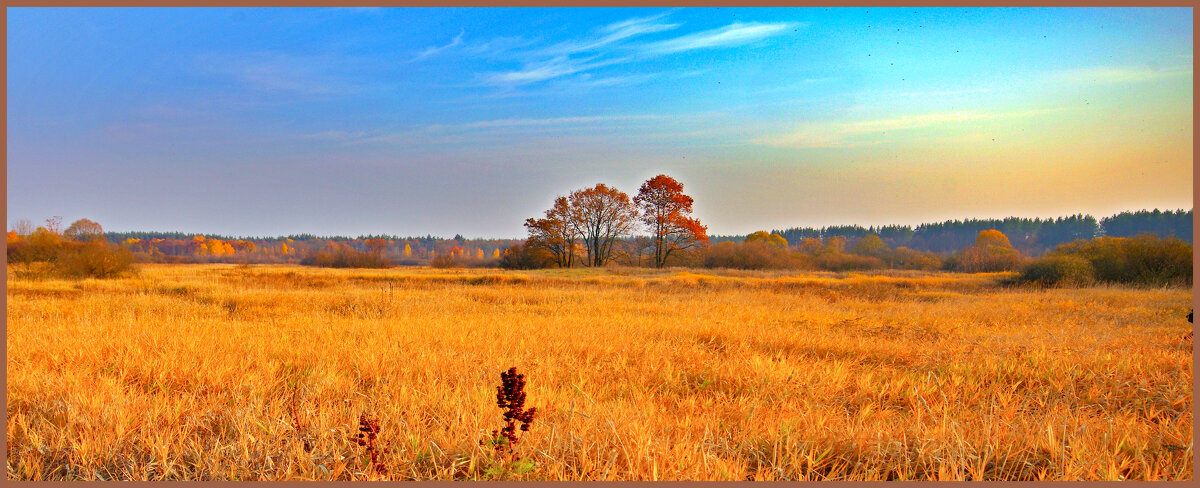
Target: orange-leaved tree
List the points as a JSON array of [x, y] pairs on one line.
[[601, 215], [667, 212], [991, 252], [555, 234]]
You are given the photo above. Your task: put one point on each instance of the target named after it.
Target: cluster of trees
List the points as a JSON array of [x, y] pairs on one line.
[[595, 226], [304, 248], [80, 250], [1032, 237]]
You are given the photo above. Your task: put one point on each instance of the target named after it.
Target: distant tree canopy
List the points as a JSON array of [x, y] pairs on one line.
[[1029, 236], [1176, 224]]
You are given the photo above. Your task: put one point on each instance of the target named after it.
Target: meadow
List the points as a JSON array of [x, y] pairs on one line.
[[234, 372]]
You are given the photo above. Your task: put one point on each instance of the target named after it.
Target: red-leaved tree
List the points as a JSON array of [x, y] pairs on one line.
[[667, 212]]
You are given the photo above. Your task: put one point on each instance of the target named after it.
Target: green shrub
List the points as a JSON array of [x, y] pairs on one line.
[[1145, 259], [1058, 270]]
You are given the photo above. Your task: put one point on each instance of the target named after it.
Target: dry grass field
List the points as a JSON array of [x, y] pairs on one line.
[[224, 372]]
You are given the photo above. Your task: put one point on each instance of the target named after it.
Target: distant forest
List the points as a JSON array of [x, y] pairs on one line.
[[1033, 237]]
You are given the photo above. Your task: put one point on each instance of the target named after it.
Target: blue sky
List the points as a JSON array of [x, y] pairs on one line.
[[444, 121]]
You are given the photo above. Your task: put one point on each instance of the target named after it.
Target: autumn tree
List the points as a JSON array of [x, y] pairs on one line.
[[554, 233], [768, 239], [666, 210], [870, 245], [377, 245], [992, 251], [23, 227], [83, 230], [600, 215]]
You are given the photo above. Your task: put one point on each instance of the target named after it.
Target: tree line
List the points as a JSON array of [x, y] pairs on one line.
[[601, 225], [1032, 237]]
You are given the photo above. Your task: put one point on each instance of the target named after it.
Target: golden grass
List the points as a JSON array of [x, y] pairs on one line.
[[189, 372]]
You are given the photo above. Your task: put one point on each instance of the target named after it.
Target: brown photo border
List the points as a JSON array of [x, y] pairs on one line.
[[577, 3]]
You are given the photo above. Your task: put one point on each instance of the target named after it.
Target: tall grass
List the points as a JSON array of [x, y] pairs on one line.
[[192, 372]]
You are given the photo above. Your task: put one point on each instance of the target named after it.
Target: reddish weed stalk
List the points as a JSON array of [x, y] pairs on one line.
[[510, 396], [368, 428], [295, 410]]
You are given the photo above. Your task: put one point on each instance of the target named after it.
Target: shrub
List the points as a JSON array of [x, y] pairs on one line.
[[1058, 270], [1144, 259], [848, 262], [94, 259], [749, 255], [526, 257], [444, 260], [345, 257], [905, 258]]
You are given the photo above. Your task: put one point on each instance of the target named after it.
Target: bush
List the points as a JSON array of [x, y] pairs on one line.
[[1058, 270], [848, 262], [1145, 259], [346, 257], [526, 257], [905, 258], [749, 255], [94, 259], [444, 260]]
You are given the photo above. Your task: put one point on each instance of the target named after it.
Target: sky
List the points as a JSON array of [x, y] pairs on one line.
[[442, 121]]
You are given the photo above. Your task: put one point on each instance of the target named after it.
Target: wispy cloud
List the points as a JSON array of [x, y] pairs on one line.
[[609, 47], [842, 134], [431, 50], [1107, 75], [549, 69], [613, 33], [735, 34]]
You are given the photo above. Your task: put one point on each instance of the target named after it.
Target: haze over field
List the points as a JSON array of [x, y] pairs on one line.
[[468, 121]]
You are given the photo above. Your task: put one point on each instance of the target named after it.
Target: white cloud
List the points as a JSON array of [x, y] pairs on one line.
[[735, 34], [614, 33], [431, 50], [549, 69], [556, 60]]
